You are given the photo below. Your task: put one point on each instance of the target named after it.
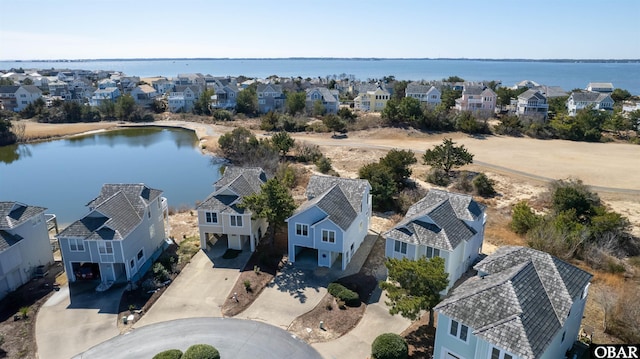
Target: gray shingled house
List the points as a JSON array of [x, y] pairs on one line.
[[220, 217], [522, 304], [333, 222], [120, 237]]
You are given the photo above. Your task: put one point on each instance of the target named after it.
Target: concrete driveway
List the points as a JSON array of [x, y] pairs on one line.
[[199, 290], [234, 338], [76, 318]]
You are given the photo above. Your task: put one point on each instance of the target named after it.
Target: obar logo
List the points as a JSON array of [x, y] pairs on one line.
[[626, 351]]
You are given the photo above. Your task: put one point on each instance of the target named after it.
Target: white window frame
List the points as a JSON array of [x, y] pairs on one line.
[[328, 236], [400, 247], [302, 229], [140, 258], [457, 329], [502, 354], [435, 252], [77, 242], [105, 247], [235, 221], [211, 217]]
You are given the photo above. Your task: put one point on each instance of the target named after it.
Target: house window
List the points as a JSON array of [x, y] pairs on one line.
[[105, 247], [563, 334], [149, 213], [499, 354], [459, 330], [132, 264], [433, 252], [76, 245], [328, 236], [400, 247], [236, 221], [302, 229], [141, 255], [211, 217]]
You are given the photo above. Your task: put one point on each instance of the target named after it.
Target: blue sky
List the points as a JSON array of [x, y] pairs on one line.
[[91, 29]]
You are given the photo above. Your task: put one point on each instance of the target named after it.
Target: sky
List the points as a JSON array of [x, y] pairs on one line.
[[99, 29]]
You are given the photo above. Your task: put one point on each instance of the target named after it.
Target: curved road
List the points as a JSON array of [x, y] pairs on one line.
[[234, 338]]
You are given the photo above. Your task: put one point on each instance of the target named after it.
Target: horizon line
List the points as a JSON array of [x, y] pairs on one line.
[[325, 58]]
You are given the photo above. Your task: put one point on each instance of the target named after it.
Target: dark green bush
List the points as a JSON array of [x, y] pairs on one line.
[[324, 165], [438, 177], [160, 272], [522, 218], [389, 346], [344, 294], [201, 351], [483, 186], [169, 354]]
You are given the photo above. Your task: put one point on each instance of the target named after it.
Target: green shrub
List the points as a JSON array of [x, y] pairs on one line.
[[201, 351], [160, 272], [344, 294], [324, 165], [522, 218], [247, 285], [306, 152], [222, 115], [169, 354], [438, 177], [389, 346], [483, 185]]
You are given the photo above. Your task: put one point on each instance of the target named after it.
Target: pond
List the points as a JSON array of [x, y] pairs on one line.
[[64, 175]]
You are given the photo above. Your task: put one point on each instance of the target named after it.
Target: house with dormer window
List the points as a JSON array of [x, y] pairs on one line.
[[523, 304], [221, 218], [328, 98], [426, 94], [442, 224], [333, 222]]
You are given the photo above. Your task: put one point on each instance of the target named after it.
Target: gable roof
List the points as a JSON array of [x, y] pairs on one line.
[[531, 94], [595, 97], [12, 214], [7, 240], [326, 94], [269, 87], [9, 89], [525, 299], [437, 220], [340, 198], [235, 184], [115, 213]]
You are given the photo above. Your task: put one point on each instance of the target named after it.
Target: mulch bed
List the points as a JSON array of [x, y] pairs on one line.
[[420, 337]]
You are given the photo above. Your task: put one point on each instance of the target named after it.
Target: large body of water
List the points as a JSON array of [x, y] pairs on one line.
[[568, 75], [64, 175]]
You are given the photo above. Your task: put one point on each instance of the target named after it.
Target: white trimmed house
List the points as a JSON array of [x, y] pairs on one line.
[[426, 94], [333, 222], [442, 224], [523, 304], [24, 244], [120, 237], [219, 214]]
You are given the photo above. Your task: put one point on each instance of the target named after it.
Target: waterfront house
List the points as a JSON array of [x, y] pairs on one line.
[[332, 224], [442, 224], [478, 99], [196, 79], [24, 244], [525, 84], [581, 100], [225, 93], [328, 98], [221, 218], [17, 98], [523, 304], [601, 87], [372, 100], [532, 104], [183, 97], [426, 94], [144, 95], [118, 240], [103, 95], [162, 85], [270, 97]]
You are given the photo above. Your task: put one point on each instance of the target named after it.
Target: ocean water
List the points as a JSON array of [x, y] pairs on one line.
[[566, 74]]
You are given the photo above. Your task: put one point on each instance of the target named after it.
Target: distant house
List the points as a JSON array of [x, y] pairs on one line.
[[144, 95], [220, 217], [333, 222], [477, 99], [442, 224], [523, 304], [106, 83], [580, 100], [225, 93], [196, 79], [270, 98], [532, 104], [24, 244], [163, 86], [525, 84], [426, 94], [108, 94], [328, 98], [17, 98], [601, 87], [183, 97], [372, 100], [120, 237]]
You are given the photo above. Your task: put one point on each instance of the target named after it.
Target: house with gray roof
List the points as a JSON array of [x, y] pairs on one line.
[[17, 98], [442, 224], [221, 218], [532, 104], [602, 87], [426, 94], [328, 98], [118, 240], [523, 304], [332, 224], [581, 100], [270, 97], [24, 244], [478, 99]]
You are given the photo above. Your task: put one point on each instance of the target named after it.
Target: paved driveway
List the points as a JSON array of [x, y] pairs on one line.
[[76, 318], [234, 338]]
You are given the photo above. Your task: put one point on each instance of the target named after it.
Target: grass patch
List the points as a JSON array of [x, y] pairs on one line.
[[231, 253], [188, 248]]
